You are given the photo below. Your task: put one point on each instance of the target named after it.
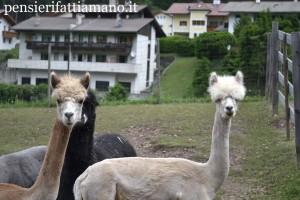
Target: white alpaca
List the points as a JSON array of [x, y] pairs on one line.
[[170, 178]]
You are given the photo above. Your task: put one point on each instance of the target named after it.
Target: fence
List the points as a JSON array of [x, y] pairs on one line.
[[283, 78]]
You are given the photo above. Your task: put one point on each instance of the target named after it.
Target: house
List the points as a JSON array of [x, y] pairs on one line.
[[165, 21], [192, 19], [8, 37], [253, 8], [111, 49]]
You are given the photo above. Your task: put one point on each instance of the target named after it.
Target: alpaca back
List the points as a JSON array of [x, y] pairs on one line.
[[21, 168]]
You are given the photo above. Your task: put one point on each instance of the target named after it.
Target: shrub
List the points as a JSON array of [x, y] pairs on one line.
[[10, 93], [200, 80], [213, 45], [177, 44], [117, 93]]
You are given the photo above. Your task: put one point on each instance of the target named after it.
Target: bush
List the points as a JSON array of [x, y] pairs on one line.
[[213, 45], [10, 93], [177, 44], [117, 93], [200, 80]]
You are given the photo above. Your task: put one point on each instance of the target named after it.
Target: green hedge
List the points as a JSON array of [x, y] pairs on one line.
[[213, 45], [177, 44], [10, 93]]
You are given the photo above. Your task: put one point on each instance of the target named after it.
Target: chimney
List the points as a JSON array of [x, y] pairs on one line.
[[79, 18], [216, 2], [37, 20], [257, 1], [118, 21], [113, 2]]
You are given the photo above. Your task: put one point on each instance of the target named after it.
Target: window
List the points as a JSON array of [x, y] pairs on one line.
[[183, 23], [44, 56], [80, 57], [46, 37], [56, 56], [195, 35], [101, 38], [4, 39], [9, 40], [198, 22], [57, 37], [100, 58], [81, 37], [66, 37], [66, 57], [125, 39], [39, 81], [122, 59], [90, 57], [126, 85], [25, 80], [91, 38], [102, 86]]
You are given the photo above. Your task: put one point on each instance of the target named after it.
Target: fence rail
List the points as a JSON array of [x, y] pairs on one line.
[[281, 89]]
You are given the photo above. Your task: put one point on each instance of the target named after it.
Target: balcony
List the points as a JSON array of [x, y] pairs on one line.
[[119, 48], [9, 34], [124, 68]]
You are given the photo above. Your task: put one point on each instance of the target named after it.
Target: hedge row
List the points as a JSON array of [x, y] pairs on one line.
[[10, 93], [177, 44], [214, 45]]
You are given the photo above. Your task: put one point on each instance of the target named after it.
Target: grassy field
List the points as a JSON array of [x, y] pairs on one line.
[[177, 82], [262, 162]]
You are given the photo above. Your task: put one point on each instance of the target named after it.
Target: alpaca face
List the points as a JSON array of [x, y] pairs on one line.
[[226, 92], [70, 94]]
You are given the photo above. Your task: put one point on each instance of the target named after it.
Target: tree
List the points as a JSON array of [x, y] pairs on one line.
[[200, 80]]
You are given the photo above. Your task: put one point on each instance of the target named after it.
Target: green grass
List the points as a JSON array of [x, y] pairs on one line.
[[267, 160], [177, 82]]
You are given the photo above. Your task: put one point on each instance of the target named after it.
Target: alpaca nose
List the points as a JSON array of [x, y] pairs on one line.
[[69, 115], [229, 108]]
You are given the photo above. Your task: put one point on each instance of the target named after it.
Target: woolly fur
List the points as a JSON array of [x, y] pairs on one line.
[[223, 86], [69, 86]]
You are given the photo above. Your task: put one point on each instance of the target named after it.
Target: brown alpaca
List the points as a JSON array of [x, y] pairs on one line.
[[70, 94]]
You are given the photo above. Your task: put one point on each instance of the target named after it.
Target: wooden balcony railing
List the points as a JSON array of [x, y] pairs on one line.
[[120, 48]]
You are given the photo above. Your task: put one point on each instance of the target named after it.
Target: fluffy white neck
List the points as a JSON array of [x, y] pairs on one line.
[[218, 163]]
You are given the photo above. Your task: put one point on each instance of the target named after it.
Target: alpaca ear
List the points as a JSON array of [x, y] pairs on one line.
[[55, 80], [85, 80], [239, 77], [213, 78]]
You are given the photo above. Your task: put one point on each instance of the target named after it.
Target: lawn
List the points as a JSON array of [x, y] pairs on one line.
[[177, 82], [262, 161]]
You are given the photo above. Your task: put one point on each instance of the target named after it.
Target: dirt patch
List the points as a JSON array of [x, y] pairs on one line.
[[234, 188]]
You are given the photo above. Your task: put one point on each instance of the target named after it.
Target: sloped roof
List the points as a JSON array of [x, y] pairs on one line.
[[186, 8], [8, 18], [253, 7], [87, 25]]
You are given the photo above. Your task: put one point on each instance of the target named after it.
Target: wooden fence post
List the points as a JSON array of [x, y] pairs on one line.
[[286, 86], [267, 89], [296, 81], [274, 66]]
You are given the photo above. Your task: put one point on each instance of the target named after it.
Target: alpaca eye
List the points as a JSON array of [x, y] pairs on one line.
[[58, 101], [218, 100], [80, 101]]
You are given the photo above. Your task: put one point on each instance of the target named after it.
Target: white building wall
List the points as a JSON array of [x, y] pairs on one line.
[[24, 53], [152, 56], [4, 26], [165, 21], [141, 58]]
